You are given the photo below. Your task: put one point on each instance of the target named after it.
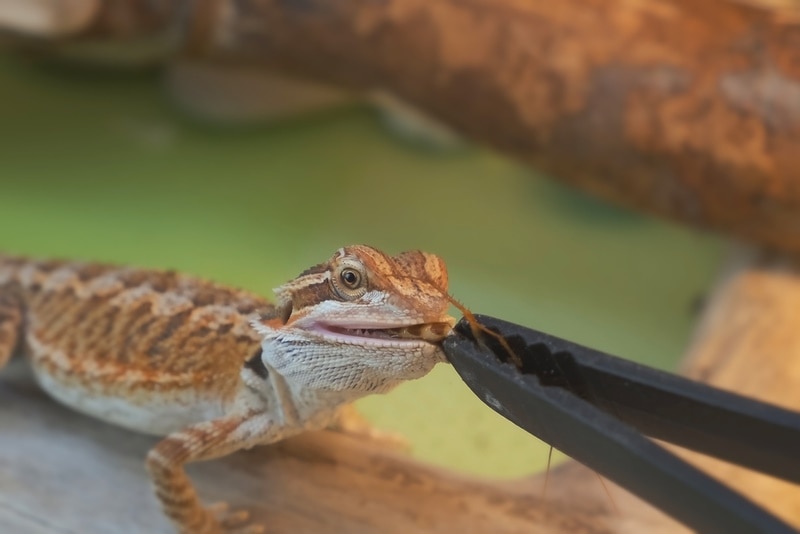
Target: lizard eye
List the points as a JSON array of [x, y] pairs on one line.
[[350, 282], [350, 278]]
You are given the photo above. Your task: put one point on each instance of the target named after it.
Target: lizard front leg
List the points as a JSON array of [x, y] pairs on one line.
[[204, 441], [10, 322]]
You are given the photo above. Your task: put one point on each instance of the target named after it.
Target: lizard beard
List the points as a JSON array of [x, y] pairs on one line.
[[349, 370]]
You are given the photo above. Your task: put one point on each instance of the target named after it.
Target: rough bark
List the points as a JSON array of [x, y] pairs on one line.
[[686, 109]]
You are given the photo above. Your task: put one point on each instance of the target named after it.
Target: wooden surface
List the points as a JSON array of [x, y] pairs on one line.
[[748, 341], [62, 472]]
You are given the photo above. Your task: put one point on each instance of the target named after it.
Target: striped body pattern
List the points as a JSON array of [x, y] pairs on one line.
[[215, 369]]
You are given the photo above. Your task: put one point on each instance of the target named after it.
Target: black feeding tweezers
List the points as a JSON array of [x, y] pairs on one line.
[[595, 408]]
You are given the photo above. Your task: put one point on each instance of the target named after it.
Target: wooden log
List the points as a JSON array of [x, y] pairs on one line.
[[63, 472], [60, 471], [686, 109], [749, 342]]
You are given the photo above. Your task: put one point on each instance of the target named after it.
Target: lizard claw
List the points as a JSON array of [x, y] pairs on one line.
[[249, 529], [233, 521]]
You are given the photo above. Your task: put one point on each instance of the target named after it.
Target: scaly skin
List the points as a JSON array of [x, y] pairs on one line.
[[216, 369]]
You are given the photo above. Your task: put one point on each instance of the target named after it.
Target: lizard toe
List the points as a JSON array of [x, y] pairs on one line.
[[231, 521], [249, 529]]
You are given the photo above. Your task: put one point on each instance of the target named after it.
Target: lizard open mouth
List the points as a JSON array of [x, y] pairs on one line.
[[428, 332]]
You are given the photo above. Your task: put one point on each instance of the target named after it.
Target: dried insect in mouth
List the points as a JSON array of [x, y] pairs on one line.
[[478, 330]]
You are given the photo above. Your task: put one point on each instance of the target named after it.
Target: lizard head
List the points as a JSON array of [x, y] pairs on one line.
[[362, 321]]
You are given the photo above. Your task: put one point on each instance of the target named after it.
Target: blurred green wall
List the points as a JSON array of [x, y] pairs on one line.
[[101, 166]]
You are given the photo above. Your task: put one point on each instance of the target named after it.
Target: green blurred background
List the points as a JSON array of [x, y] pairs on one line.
[[102, 166]]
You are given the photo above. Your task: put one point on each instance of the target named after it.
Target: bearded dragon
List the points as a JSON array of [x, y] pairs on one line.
[[214, 369]]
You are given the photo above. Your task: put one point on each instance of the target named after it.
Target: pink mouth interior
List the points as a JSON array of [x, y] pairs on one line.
[[428, 332]]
